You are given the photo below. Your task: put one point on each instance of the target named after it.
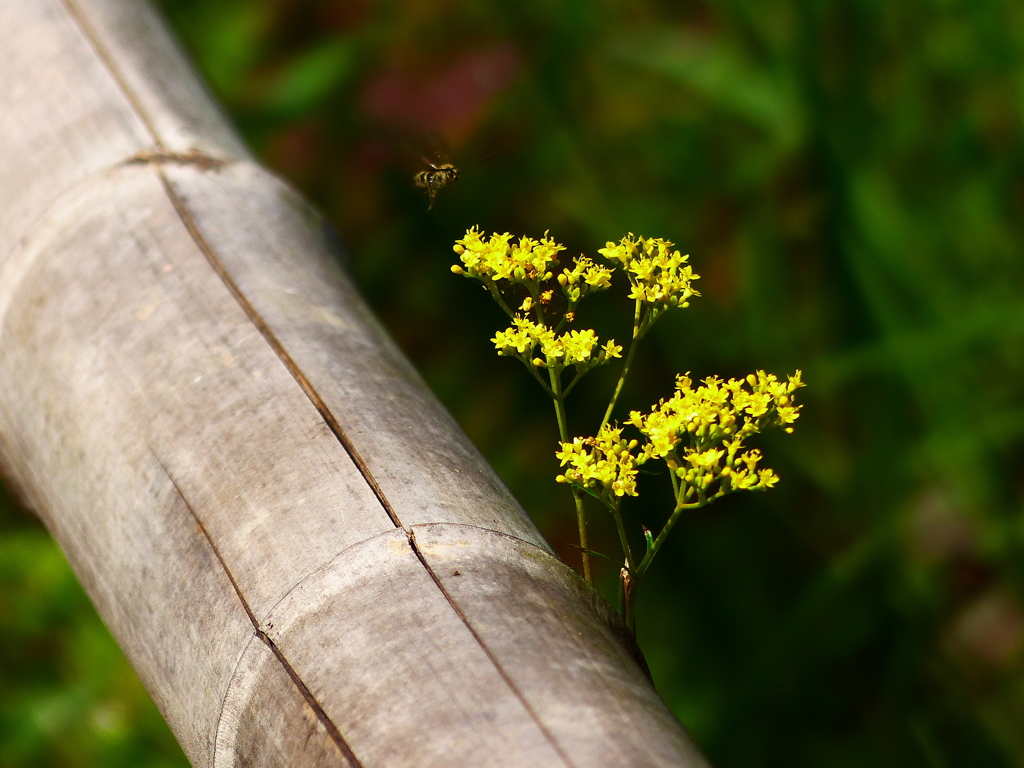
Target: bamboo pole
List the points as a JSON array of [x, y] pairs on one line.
[[302, 555]]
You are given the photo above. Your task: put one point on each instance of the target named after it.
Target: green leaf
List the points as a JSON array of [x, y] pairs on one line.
[[309, 79]]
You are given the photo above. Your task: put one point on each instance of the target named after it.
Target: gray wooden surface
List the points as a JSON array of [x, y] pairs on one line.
[[302, 555]]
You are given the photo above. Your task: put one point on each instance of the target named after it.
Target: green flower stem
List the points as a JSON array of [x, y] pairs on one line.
[[629, 600], [581, 524], [569, 309], [673, 479], [628, 583], [563, 322], [660, 539], [628, 597], [663, 534], [572, 383], [633, 344], [496, 295], [623, 540], [538, 308], [533, 372], [558, 397]]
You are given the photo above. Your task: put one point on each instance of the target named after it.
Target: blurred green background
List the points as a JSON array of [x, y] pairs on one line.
[[848, 177]]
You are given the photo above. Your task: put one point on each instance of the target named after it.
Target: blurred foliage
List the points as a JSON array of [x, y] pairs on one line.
[[68, 697], [847, 176]]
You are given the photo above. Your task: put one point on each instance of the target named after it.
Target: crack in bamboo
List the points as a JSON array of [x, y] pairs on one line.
[[494, 661], [311, 701]]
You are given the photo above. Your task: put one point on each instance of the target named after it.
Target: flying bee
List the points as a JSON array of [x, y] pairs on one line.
[[440, 175], [442, 171]]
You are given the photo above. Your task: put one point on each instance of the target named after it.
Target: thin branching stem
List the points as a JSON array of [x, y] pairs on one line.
[[633, 344], [673, 480], [496, 295], [575, 380], [571, 309], [558, 397], [663, 534], [623, 539], [544, 385], [581, 524]]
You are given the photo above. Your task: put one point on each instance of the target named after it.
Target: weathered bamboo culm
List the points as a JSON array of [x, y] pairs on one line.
[[302, 555]]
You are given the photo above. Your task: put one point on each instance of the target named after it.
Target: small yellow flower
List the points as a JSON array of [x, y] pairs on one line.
[[584, 278], [499, 258], [611, 350], [604, 464], [573, 348], [658, 276], [521, 337], [705, 427], [577, 346]]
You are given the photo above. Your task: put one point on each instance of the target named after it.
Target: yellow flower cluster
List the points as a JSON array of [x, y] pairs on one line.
[[500, 258], [604, 465], [700, 431], [658, 276], [558, 351], [585, 277]]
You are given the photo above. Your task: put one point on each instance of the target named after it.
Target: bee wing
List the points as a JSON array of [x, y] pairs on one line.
[[481, 159], [431, 148], [413, 146]]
